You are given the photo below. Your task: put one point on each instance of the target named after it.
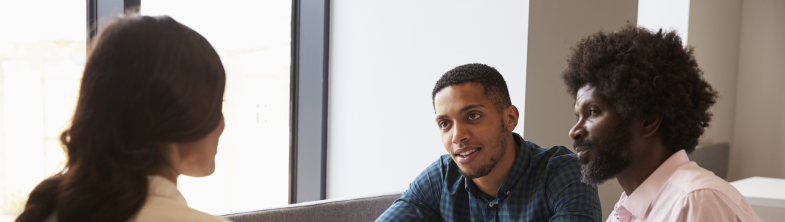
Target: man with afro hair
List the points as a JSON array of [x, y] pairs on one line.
[[641, 103]]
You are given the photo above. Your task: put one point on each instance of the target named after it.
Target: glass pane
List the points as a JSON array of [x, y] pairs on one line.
[[42, 54], [26, 163], [60, 100], [253, 39], [23, 107]]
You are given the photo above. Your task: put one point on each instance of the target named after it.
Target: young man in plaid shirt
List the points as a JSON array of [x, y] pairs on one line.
[[491, 173]]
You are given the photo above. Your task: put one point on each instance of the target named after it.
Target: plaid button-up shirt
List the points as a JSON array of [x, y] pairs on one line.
[[543, 185]]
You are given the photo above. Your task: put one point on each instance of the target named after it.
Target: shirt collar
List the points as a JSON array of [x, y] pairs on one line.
[[162, 187], [515, 173], [640, 199]]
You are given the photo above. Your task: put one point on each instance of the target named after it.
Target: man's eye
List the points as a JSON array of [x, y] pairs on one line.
[[474, 116], [594, 111], [444, 124]]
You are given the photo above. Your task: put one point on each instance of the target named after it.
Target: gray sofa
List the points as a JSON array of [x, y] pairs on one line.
[[712, 157], [358, 209]]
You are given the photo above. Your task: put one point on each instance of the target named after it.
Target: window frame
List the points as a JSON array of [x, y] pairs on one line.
[[310, 81]]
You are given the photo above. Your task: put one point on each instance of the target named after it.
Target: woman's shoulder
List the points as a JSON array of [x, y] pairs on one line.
[[165, 209]]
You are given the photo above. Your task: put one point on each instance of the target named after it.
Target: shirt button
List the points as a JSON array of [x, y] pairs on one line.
[[490, 205], [508, 192]]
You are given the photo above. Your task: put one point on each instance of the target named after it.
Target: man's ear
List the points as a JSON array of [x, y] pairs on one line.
[[511, 116], [650, 126]]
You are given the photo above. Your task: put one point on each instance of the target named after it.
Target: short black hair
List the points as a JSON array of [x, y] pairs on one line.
[[645, 74], [494, 86]]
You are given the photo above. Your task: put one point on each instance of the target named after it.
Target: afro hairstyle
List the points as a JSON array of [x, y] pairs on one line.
[[645, 74]]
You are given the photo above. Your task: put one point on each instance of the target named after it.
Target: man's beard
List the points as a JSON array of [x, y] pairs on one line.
[[608, 159], [486, 168]]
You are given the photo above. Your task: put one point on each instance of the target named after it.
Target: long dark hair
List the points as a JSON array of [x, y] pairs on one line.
[[147, 81]]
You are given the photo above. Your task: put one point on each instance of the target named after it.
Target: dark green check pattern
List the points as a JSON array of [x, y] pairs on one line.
[[543, 185]]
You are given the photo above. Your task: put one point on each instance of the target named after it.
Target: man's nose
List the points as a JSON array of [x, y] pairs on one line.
[[460, 134], [578, 131]]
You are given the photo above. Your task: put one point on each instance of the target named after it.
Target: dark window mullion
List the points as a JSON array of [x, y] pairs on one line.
[[310, 52]]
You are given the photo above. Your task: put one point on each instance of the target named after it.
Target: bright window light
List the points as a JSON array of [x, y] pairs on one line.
[[666, 15], [42, 55], [253, 39]]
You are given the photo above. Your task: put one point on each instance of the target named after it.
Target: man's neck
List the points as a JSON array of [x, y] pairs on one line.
[[490, 183], [643, 164]]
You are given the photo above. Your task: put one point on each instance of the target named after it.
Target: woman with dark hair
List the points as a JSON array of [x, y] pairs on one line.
[[149, 110]]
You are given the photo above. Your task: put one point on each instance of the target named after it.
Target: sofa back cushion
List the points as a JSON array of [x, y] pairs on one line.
[[359, 209]]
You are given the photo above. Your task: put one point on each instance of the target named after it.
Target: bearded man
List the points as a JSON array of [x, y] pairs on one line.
[[641, 103]]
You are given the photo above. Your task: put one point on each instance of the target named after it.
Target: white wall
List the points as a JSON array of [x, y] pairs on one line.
[[715, 27], [759, 124], [667, 15], [739, 46], [385, 57]]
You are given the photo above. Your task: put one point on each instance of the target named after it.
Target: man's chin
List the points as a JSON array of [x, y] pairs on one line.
[[593, 176], [466, 171], [473, 173]]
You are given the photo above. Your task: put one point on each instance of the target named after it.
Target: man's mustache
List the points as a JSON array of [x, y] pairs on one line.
[[582, 142]]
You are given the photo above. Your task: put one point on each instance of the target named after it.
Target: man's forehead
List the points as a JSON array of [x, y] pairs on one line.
[[458, 97], [459, 92], [584, 90], [463, 87], [588, 94]]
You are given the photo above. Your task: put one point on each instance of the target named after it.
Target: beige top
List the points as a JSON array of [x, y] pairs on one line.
[[680, 191], [165, 203]]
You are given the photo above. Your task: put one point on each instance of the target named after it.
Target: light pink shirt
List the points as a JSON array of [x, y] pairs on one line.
[[680, 190]]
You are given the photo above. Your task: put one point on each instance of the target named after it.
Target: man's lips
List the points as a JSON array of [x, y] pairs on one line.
[[466, 155], [582, 151]]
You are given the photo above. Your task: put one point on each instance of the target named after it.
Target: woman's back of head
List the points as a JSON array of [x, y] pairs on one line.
[[147, 81]]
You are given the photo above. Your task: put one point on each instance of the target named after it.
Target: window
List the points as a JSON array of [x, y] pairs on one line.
[[42, 55], [666, 15], [253, 39]]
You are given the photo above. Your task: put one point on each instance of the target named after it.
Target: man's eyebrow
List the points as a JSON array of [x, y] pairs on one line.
[[586, 103], [464, 109], [467, 108], [440, 117]]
